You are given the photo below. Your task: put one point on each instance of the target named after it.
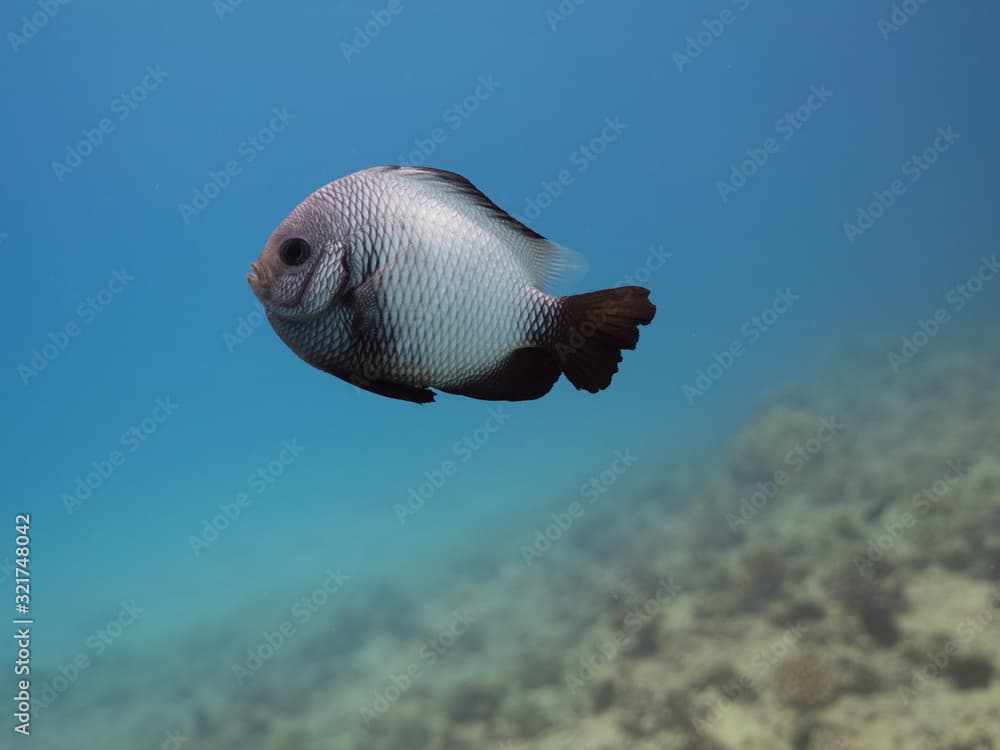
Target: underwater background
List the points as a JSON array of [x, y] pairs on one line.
[[778, 528]]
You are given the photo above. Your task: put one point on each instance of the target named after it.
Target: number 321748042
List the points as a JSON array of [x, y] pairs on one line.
[[22, 554]]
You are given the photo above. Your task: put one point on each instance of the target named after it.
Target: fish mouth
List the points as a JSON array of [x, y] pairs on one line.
[[260, 277]]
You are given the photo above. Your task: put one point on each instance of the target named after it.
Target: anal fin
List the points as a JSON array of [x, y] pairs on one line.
[[526, 374]]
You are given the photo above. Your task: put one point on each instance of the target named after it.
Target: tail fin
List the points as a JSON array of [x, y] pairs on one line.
[[596, 327]]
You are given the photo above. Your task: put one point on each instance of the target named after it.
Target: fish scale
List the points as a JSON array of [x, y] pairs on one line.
[[448, 332]]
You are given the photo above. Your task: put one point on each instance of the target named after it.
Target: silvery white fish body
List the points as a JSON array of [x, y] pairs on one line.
[[403, 279]]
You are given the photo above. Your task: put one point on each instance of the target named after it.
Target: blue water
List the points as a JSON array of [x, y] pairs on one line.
[[149, 151]]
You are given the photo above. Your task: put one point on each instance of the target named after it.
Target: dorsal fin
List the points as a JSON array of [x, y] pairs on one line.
[[546, 262]]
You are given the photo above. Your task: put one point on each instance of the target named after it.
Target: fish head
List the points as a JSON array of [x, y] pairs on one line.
[[302, 269]]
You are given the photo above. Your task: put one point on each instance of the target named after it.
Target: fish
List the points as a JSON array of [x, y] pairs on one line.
[[406, 280]]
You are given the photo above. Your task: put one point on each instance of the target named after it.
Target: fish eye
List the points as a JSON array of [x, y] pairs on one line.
[[294, 251]]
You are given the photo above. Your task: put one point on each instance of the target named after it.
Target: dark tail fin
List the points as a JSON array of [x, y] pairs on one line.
[[596, 327]]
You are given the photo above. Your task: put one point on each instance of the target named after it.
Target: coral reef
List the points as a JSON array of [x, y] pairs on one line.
[[833, 584], [805, 681]]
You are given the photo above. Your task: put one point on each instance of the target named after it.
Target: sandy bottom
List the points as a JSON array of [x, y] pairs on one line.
[[830, 582]]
